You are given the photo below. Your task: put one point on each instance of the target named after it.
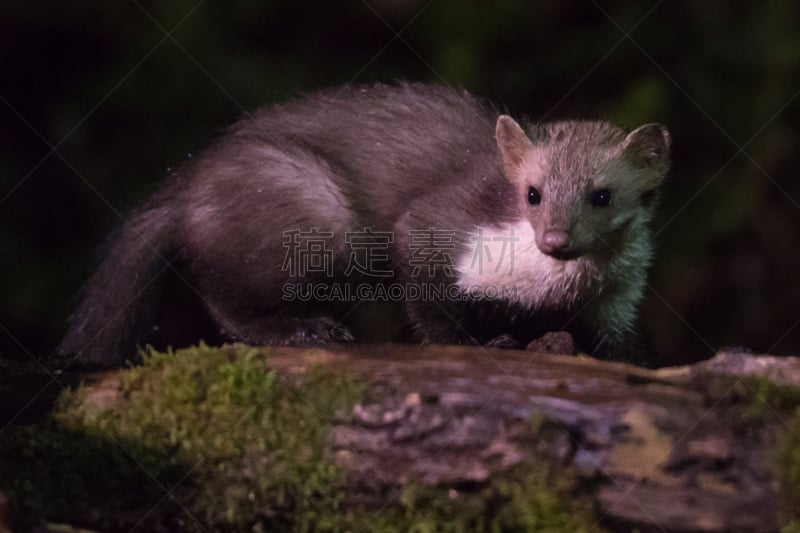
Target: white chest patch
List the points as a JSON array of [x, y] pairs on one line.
[[505, 262]]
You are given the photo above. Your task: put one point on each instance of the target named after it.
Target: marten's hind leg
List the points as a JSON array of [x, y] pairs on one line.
[[279, 329]]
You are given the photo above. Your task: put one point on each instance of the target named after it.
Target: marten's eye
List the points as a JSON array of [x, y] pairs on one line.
[[534, 198], [601, 198]]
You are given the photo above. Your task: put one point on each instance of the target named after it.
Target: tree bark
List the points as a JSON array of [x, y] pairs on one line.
[[656, 449], [689, 448]]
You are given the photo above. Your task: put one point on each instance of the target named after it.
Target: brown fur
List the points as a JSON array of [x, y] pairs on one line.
[[391, 158]]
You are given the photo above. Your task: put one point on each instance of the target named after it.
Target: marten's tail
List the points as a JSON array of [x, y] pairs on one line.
[[119, 303]]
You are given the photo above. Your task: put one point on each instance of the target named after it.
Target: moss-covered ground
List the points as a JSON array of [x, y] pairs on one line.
[[210, 439]]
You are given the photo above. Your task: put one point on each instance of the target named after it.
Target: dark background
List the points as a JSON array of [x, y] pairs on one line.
[[120, 101]]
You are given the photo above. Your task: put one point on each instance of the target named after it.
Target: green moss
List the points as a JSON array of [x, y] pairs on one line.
[[768, 400], [760, 404], [525, 502], [232, 442], [211, 439], [767, 396], [789, 471], [792, 527]]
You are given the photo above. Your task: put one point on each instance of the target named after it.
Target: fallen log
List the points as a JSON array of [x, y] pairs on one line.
[[695, 448], [661, 449]]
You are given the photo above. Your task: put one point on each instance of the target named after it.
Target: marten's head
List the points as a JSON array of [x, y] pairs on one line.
[[583, 185]]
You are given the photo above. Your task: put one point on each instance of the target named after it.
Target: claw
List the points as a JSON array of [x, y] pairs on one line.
[[504, 341], [340, 333]]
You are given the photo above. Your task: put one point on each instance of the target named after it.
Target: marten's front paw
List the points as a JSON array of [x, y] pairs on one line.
[[340, 333], [324, 329], [505, 341]]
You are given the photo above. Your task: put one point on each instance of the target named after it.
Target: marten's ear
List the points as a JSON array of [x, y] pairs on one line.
[[513, 145], [647, 147]]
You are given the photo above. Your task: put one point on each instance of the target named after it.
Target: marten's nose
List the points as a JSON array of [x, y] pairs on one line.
[[555, 242]]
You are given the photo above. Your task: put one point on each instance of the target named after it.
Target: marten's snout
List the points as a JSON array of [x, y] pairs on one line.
[[556, 243]]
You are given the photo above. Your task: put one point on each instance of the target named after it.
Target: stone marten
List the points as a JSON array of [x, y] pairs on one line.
[[518, 230]]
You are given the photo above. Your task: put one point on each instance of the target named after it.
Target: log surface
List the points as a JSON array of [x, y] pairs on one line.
[[656, 449]]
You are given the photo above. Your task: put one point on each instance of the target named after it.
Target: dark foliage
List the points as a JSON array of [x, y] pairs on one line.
[[121, 101]]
